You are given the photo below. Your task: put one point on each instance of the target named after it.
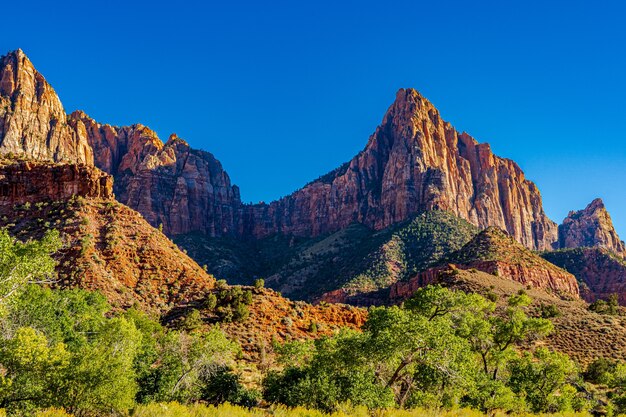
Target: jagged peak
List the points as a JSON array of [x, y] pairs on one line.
[[175, 139], [590, 227], [596, 204]]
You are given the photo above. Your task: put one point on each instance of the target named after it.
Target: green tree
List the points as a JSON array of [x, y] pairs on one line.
[[25, 262], [100, 376], [182, 360], [544, 378], [33, 370]]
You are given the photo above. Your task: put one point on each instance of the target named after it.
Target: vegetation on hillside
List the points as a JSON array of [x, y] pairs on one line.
[[66, 352], [356, 257]]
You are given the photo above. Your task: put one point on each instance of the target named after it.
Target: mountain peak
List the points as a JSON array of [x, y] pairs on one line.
[[590, 227], [595, 205], [35, 123]]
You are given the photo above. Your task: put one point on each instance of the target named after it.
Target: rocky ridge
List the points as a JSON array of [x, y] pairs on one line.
[[33, 182], [494, 252], [414, 162], [590, 227]]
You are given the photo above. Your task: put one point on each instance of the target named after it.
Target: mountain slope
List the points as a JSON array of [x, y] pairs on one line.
[[32, 120], [107, 246], [494, 252], [357, 259], [600, 272]]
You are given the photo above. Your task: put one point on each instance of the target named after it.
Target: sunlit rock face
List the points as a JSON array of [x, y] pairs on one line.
[[32, 120], [590, 227], [413, 162]]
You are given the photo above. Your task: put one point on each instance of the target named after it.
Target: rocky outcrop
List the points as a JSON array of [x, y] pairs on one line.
[[414, 162], [600, 272], [590, 227], [33, 182], [171, 184], [32, 120], [494, 252]]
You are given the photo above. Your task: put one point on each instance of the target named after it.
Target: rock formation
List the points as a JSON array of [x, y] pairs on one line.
[[32, 182], [171, 184], [32, 120], [494, 252], [413, 162], [600, 272], [590, 227]]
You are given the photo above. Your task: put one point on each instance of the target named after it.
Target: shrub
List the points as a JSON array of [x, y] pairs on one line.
[[259, 283], [549, 311]]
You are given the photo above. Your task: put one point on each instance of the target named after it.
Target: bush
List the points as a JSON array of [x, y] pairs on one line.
[[222, 385], [600, 371], [259, 283], [549, 311]]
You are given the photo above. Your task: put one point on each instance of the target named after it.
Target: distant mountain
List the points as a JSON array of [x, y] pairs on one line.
[[414, 162]]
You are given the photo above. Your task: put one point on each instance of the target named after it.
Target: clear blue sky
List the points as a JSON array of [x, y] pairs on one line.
[[282, 92]]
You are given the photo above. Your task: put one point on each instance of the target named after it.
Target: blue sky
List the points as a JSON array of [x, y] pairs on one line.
[[282, 92]]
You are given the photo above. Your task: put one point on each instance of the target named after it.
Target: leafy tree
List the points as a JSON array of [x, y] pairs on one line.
[[101, 377], [33, 370], [544, 378], [600, 371], [183, 359], [337, 372], [411, 351], [67, 316], [223, 385], [25, 262]]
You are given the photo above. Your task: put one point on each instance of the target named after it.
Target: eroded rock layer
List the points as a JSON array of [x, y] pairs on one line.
[[32, 182]]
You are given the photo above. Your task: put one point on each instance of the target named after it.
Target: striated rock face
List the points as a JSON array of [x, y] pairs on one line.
[[32, 120], [170, 184], [413, 162], [600, 272], [33, 182], [590, 227], [494, 252]]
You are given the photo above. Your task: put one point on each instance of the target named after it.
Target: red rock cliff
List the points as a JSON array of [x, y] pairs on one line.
[[590, 227], [414, 162], [32, 182], [171, 184], [32, 120]]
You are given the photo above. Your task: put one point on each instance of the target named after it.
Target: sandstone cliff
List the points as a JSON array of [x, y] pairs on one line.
[[33, 182], [590, 227], [32, 120], [170, 184], [414, 162]]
